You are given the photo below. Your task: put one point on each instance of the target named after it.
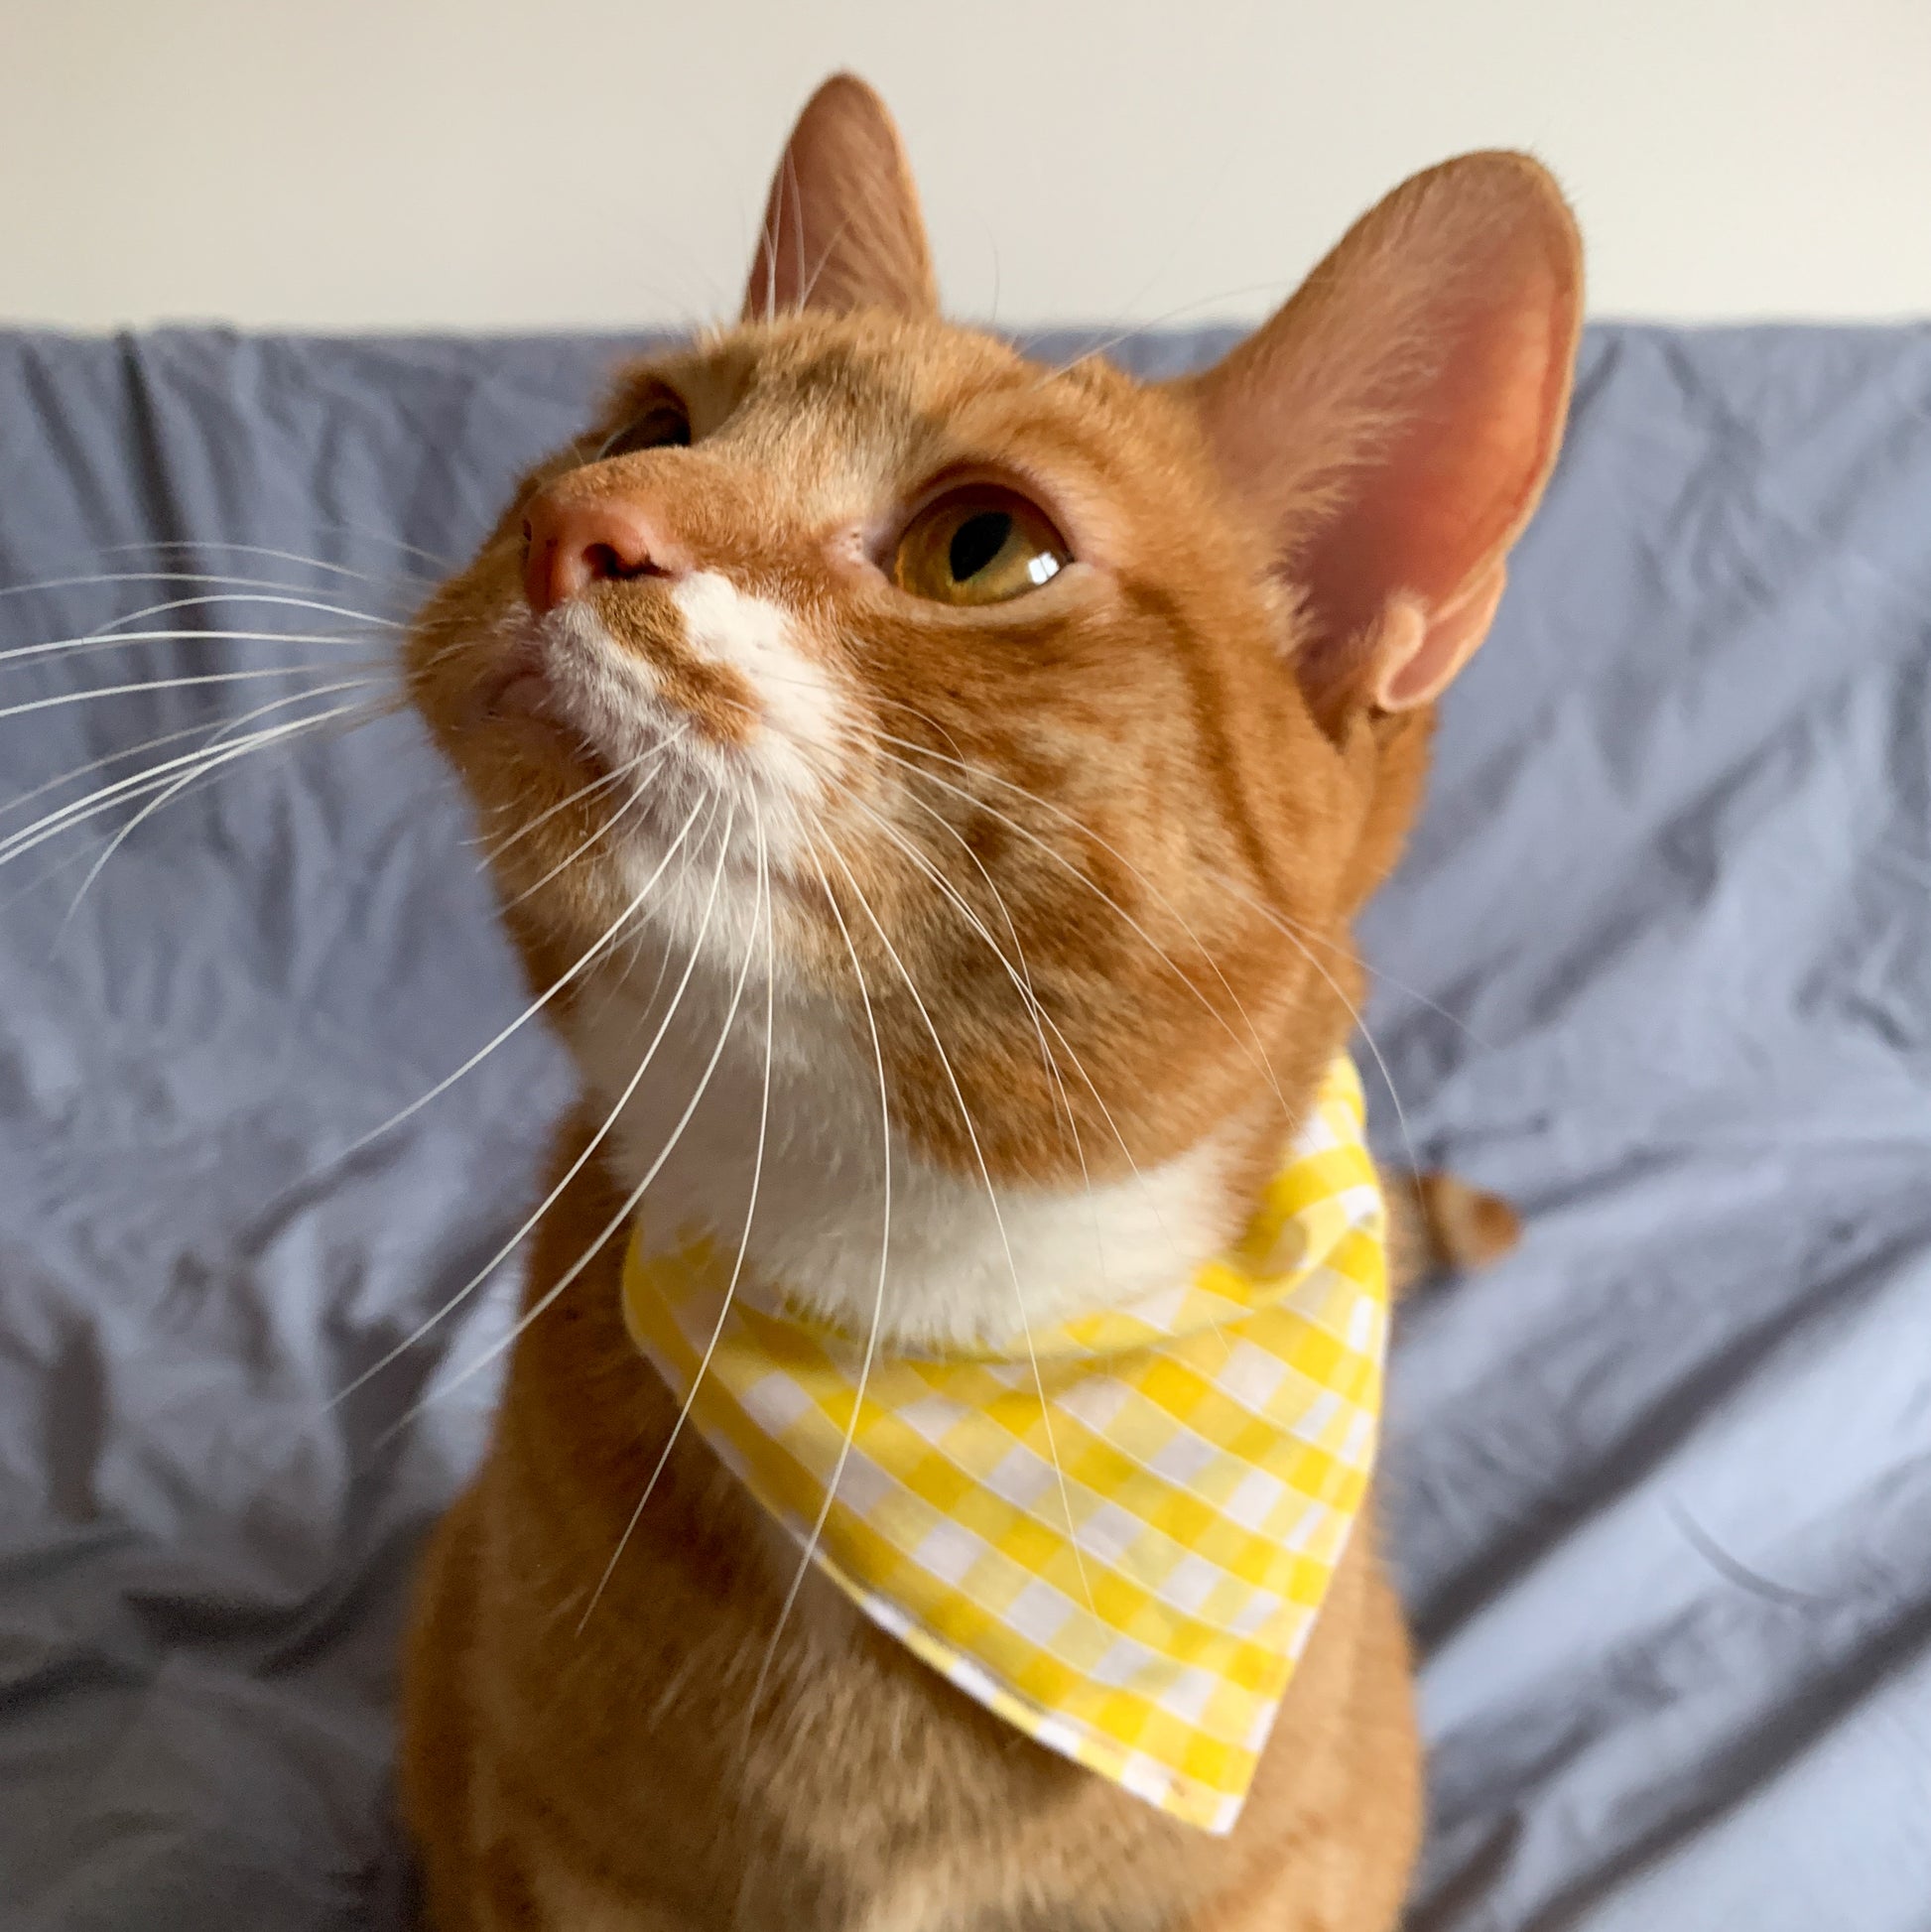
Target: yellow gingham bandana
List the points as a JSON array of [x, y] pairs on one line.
[[1216, 1440]]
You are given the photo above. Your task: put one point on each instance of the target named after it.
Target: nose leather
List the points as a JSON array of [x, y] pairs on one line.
[[573, 543]]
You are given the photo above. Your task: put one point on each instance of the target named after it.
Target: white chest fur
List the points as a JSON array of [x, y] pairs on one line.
[[842, 1205]]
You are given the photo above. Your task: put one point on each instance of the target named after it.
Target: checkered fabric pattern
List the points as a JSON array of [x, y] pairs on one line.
[[1125, 1554]]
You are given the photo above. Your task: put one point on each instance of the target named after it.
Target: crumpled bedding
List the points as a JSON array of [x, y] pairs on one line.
[[1658, 967]]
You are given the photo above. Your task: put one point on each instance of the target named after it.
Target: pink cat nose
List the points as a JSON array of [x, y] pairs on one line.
[[571, 542]]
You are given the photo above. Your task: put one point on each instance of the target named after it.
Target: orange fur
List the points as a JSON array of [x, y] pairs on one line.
[[1169, 778]]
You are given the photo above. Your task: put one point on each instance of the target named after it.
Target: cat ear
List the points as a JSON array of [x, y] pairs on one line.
[[1397, 421], [841, 228]]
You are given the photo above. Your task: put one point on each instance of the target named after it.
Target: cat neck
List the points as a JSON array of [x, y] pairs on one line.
[[853, 1224]]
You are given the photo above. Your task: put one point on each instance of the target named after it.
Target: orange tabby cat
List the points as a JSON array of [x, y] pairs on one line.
[[928, 776]]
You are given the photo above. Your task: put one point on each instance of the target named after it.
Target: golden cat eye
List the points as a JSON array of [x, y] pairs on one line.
[[978, 545]]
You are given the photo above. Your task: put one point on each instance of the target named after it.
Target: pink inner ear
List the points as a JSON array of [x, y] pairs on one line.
[[1460, 470], [841, 226], [1394, 424]]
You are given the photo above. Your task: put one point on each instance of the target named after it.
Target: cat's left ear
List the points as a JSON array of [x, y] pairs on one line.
[[1394, 424], [843, 229]]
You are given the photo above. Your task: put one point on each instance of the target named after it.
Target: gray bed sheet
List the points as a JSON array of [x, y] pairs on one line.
[[1658, 966]]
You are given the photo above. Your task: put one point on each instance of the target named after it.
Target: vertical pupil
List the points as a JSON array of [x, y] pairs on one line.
[[976, 542]]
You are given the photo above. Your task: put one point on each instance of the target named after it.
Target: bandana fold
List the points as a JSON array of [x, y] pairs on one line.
[[1212, 1446]]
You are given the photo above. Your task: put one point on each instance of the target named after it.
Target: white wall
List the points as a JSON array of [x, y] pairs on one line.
[[514, 163]]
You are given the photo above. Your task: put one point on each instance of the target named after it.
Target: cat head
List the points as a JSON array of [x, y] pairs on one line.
[[1039, 729]]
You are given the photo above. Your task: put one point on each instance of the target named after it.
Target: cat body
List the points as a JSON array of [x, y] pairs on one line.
[[931, 792], [550, 1787]]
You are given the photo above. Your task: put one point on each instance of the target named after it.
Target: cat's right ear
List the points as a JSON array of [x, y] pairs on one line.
[[841, 228]]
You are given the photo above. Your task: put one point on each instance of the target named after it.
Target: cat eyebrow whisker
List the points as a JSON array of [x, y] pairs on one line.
[[744, 1239], [561, 1285], [1273, 289], [510, 1248]]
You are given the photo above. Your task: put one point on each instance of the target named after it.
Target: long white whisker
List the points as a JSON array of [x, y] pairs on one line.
[[1043, 1015], [583, 963], [357, 716], [280, 599], [638, 794], [77, 811], [113, 632], [172, 683], [212, 762], [1066, 818], [1360, 1028], [208, 733], [133, 751], [217, 579], [869, 735], [69, 648], [495, 852], [877, 1315], [1302, 935], [1255, 1052], [993, 1201], [745, 1241], [595, 1247], [1030, 1001], [1021, 976], [1025, 987], [161, 545]]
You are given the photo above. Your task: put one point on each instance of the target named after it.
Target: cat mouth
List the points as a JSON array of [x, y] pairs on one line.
[[525, 691], [562, 694], [519, 688]]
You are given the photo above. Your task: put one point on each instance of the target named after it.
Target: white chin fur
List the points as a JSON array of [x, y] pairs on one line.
[[614, 696], [962, 1263]]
